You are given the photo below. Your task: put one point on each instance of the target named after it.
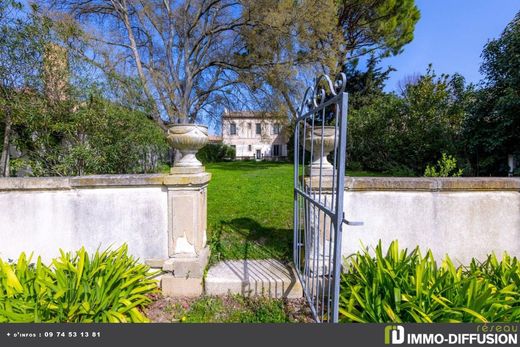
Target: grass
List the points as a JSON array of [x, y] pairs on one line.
[[235, 309], [228, 309], [250, 209]]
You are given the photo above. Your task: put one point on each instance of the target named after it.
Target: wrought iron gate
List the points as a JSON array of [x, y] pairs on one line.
[[319, 179]]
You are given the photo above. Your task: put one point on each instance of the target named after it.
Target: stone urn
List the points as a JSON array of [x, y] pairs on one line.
[[320, 138], [188, 139]]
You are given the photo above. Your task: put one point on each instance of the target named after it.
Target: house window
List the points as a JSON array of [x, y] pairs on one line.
[[276, 129], [258, 129], [249, 148], [232, 129], [276, 150]]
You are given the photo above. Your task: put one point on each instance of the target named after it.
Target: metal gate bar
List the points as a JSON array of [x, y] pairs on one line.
[[321, 127]]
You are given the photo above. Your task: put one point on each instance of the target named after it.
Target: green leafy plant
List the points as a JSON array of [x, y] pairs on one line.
[[109, 286], [408, 287], [446, 167], [215, 152]]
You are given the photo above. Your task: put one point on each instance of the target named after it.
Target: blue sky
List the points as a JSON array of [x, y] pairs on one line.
[[451, 35]]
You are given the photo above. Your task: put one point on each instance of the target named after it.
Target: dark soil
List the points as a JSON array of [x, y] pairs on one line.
[[176, 310]]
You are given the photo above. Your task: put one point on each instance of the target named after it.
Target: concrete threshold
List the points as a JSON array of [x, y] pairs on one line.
[[268, 277]]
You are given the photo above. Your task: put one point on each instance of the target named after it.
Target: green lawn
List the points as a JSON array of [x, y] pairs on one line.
[[250, 209]]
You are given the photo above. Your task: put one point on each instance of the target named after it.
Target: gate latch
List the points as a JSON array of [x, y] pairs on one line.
[[352, 223]]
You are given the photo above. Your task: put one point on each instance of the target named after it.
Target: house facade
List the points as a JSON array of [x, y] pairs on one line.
[[255, 135]]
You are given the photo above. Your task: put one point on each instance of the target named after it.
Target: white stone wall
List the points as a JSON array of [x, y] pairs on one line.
[[44, 221], [247, 142], [464, 218], [147, 212]]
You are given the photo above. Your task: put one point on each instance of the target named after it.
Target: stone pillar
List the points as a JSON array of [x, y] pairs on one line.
[[187, 217], [187, 223], [319, 224]]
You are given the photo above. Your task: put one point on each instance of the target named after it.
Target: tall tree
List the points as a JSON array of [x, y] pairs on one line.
[[182, 53], [380, 27], [20, 69], [492, 129], [364, 86], [300, 38], [191, 57]]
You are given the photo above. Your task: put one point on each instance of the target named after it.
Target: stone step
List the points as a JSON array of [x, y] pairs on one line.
[[268, 277]]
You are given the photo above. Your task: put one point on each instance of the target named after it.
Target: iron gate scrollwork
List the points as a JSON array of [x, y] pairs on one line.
[[319, 179]]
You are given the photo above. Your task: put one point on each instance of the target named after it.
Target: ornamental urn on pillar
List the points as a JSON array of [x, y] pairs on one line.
[[321, 140], [187, 139]]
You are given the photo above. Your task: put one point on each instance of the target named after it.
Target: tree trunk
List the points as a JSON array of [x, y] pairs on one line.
[[140, 70], [294, 111], [4, 159]]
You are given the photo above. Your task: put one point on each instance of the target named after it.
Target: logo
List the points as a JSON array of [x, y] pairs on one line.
[[485, 335], [394, 334]]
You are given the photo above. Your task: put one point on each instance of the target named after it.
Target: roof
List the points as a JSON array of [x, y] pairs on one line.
[[214, 138], [248, 114]]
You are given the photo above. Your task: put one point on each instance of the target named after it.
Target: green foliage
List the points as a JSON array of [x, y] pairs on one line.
[[94, 137], [408, 287], [365, 86], [372, 139], [21, 50], [76, 129], [403, 133], [492, 128], [446, 167], [215, 152], [354, 165], [293, 39], [382, 26], [398, 170], [291, 31], [109, 286]]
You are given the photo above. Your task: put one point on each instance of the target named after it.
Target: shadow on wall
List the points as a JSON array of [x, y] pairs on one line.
[[245, 238]]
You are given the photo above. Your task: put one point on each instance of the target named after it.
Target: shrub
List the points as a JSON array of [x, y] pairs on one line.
[[409, 129], [398, 170], [107, 287], [355, 166], [446, 167], [407, 287], [215, 152]]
